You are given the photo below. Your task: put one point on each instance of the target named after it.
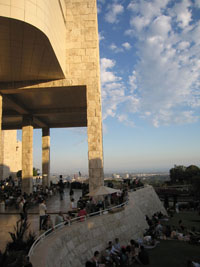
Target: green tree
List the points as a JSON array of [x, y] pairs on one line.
[[35, 172], [196, 185], [177, 174], [191, 171], [19, 174]]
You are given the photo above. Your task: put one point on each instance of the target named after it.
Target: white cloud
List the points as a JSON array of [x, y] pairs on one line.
[[182, 13], [115, 49], [124, 119], [113, 93], [164, 86], [107, 76], [183, 45], [114, 11], [161, 26], [127, 46], [133, 81], [166, 79]]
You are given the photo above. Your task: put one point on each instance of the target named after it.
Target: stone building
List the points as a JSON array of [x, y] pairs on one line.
[[50, 77], [11, 154]]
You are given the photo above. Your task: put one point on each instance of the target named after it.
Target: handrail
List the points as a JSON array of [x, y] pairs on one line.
[[77, 219], [62, 224]]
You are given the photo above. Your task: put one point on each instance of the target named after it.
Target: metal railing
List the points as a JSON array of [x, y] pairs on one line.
[[77, 219], [69, 223]]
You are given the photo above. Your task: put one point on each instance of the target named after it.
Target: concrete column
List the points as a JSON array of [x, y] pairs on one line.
[[45, 157], [27, 155], [1, 142]]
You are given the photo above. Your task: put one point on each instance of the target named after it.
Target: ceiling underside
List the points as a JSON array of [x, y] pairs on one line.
[[26, 53], [53, 107]]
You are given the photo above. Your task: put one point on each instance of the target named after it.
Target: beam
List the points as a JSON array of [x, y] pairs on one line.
[[16, 106], [67, 110], [10, 90], [68, 124], [51, 125], [22, 110], [42, 112]]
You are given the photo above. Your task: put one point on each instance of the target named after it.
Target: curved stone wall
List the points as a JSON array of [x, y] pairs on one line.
[[43, 19], [72, 246]]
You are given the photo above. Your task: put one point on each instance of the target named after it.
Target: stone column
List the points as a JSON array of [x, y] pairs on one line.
[[27, 154], [95, 150], [45, 157], [83, 69], [1, 141]]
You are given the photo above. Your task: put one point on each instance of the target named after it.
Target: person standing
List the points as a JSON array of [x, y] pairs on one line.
[[21, 209], [42, 212], [61, 187], [71, 193]]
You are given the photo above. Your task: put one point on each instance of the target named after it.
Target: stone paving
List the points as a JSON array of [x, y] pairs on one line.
[[11, 216]]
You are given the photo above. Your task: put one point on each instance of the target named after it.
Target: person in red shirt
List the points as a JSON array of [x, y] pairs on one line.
[[82, 213]]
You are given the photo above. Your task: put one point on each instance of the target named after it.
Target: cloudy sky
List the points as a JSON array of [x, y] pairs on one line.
[[150, 79]]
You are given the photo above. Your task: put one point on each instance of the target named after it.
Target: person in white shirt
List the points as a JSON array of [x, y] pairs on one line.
[[42, 212]]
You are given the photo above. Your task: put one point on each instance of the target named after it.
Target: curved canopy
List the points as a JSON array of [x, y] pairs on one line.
[[103, 190]]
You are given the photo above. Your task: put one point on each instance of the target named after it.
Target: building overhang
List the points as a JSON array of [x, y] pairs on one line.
[[53, 107], [26, 53]]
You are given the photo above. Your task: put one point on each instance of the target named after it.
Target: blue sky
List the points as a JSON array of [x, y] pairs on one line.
[[150, 79]]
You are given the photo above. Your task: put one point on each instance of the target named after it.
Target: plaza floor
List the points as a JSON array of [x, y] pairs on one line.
[[11, 216]]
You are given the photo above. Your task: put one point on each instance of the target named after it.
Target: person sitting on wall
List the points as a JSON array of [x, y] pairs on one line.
[[60, 218], [73, 208], [124, 262], [148, 220], [111, 255], [47, 223], [143, 256], [82, 214], [159, 229], [95, 260], [135, 249], [117, 245]]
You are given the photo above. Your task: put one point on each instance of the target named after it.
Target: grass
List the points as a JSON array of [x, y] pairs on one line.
[[174, 253]]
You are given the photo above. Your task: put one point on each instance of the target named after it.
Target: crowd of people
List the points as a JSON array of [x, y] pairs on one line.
[[165, 231], [119, 255], [136, 252], [84, 207], [11, 194]]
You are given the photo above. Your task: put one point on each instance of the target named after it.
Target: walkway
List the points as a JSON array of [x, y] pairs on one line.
[[54, 205]]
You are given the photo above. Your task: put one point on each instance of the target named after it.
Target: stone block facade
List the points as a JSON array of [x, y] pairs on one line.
[[73, 246], [83, 68], [11, 154], [79, 28]]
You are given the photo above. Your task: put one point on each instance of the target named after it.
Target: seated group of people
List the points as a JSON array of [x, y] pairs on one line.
[[157, 230], [47, 223], [120, 256]]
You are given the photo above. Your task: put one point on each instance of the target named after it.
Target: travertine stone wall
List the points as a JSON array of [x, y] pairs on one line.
[[27, 155], [11, 150], [72, 246], [45, 156], [83, 68], [1, 143], [46, 15]]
